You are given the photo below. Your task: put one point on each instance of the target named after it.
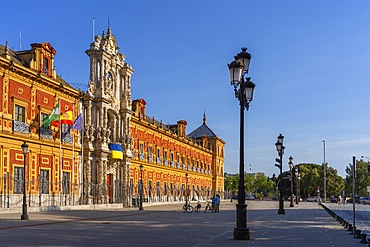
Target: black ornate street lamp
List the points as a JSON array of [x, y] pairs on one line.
[[280, 149], [24, 215], [291, 166], [298, 178], [141, 188], [243, 89]]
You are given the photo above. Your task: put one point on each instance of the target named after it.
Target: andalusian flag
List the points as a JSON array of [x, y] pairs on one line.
[[52, 118], [117, 152], [67, 117]]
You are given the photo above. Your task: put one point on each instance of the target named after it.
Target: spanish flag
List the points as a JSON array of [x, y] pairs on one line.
[[117, 152], [67, 117]]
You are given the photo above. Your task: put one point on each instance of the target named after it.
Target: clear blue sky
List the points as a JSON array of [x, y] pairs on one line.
[[310, 62]]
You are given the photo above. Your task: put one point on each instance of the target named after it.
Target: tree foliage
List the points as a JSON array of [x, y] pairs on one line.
[[257, 184], [312, 180], [362, 179]]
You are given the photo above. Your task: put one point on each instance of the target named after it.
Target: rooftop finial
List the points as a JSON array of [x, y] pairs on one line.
[[7, 55], [204, 117], [109, 31]]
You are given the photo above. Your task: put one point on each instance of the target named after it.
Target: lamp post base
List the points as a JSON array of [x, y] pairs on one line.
[[24, 217], [281, 206], [241, 234], [281, 211]]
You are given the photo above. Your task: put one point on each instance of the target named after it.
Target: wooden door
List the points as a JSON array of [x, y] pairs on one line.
[[110, 188]]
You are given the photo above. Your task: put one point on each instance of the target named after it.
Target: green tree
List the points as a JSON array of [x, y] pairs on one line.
[[249, 180], [262, 184], [231, 184], [362, 178], [312, 178], [334, 182]]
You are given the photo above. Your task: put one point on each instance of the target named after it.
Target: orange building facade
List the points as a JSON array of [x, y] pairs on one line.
[[79, 167], [173, 161], [29, 90]]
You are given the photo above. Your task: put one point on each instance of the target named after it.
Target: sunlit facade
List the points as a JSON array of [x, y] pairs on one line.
[[169, 156], [30, 89]]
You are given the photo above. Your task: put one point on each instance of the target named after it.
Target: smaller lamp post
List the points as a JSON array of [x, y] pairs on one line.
[[291, 180], [141, 188], [298, 177], [280, 149], [186, 189], [24, 215]]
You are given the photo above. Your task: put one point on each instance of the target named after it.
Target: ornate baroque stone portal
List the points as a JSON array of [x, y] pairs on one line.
[[107, 113]]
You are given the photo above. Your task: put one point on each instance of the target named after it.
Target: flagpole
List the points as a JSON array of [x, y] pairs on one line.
[[60, 155], [73, 158], [82, 153]]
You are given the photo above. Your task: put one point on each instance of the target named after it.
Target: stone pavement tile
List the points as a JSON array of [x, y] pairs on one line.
[[307, 224]]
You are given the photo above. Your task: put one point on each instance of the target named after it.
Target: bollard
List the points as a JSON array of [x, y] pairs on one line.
[[363, 238], [349, 228], [346, 224], [358, 233]]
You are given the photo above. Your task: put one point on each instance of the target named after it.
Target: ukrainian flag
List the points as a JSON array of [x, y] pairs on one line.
[[116, 151]]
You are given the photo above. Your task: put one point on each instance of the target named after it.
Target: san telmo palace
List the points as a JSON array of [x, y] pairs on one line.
[[96, 146]]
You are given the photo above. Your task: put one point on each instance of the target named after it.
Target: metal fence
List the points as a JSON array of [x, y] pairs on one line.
[[46, 194]]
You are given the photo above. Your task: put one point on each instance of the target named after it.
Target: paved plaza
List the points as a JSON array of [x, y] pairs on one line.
[[307, 224]]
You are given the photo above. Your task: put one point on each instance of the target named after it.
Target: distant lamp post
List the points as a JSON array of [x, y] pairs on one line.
[[141, 188], [243, 88], [280, 149], [324, 144], [186, 189], [24, 215], [291, 180], [298, 178]]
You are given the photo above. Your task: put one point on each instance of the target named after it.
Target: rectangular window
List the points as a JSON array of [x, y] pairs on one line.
[[158, 153], [19, 113], [165, 155], [164, 188], [141, 148], [44, 181], [43, 116], [171, 156], [66, 182], [46, 66], [18, 180], [158, 189], [150, 188], [150, 154]]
